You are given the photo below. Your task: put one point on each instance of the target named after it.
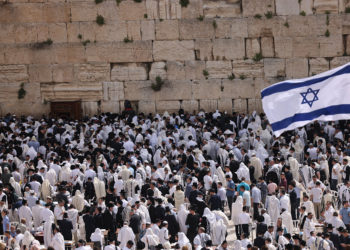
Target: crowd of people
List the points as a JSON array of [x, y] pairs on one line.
[[173, 181]]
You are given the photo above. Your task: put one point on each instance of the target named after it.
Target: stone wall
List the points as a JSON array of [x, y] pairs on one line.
[[210, 55]]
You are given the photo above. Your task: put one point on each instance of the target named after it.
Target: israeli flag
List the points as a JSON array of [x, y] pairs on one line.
[[295, 103]]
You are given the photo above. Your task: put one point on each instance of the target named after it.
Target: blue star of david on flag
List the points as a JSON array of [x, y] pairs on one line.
[[310, 96]]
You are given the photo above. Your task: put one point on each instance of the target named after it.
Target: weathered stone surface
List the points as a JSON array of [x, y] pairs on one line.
[[157, 69], [13, 73], [254, 105], [225, 105], [331, 46], [148, 30], [139, 90], [58, 32], [252, 47], [287, 7], [175, 90], [194, 29], [223, 29], [322, 6], [173, 50], [129, 10], [175, 70], [147, 107], [204, 49], [170, 106], [167, 30], [240, 105], [237, 89], [221, 9], [62, 73], [253, 7], [239, 28], [110, 106], [297, 68], [92, 72], [248, 68], [218, 69], [194, 70], [129, 72], [152, 9], [40, 73], [228, 49], [110, 32], [274, 67], [318, 65], [267, 47], [90, 108], [208, 105], [206, 89], [190, 105], [305, 47], [134, 30], [83, 11], [193, 10], [306, 6], [339, 61], [113, 91]]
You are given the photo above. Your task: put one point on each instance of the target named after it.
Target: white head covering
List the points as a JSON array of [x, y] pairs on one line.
[[182, 239], [97, 236], [209, 215], [27, 239]]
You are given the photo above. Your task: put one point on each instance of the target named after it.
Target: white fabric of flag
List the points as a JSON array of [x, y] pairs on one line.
[[294, 103]]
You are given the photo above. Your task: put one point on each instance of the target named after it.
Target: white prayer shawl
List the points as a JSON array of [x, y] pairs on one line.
[[27, 239], [57, 242], [48, 233], [46, 189], [25, 212], [221, 216], [130, 186], [182, 216], [150, 239], [36, 211], [218, 232], [237, 207], [273, 208], [100, 188], [243, 171], [16, 187], [287, 221], [51, 176], [78, 201], [124, 173], [32, 153], [179, 198], [294, 168], [309, 208], [237, 245], [257, 164], [324, 166], [125, 234], [97, 236], [65, 174], [183, 241], [81, 231], [144, 209], [221, 176], [211, 218]]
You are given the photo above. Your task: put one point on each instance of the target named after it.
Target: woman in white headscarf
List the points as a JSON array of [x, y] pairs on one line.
[[150, 239], [27, 240], [182, 216], [78, 201], [16, 187], [183, 241], [97, 236], [237, 207]]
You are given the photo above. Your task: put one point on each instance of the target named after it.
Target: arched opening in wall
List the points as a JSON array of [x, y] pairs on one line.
[[66, 110]]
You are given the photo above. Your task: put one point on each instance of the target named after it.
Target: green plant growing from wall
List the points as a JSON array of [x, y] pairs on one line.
[[128, 40], [184, 3], [80, 36], [145, 16], [21, 92], [303, 13], [286, 24], [231, 77], [205, 73], [327, 20], [242, 76], [347, 10], [257, 16], [41, 45], [118, 2], [200, 18], [269, 14], [85, 42], [257, 57], [100, 20], [137, 1], [327, 33], [215, 25], [157, 86], [98, 1]]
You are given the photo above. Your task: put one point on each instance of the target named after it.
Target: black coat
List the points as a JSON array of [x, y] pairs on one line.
[[66, 227], [135, 223], [109, 220], [160, 212], [173, 225], [89, 226]]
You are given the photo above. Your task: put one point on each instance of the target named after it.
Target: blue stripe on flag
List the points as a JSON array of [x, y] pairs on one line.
[[331, 110], [285, 86]]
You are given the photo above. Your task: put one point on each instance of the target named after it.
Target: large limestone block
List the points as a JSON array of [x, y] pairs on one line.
[[204, 49], [170, 106], [331, 46], [146, 106], [169, 9], [13, 73], [267, 47], [7, 33], [287, 7], [175, 70], [318, 65], [134, 30], [322, 6], [73, 32], [228, 49], [110, 106], [240, 105], [306, 47], [297, 68], [283, 47], [22, 33], [237, 89], [58, 32], [113, 91], [139, 90], [173, 50], [90, 108], [175, 90], [158, 69], [40, 73], [15, 55], [306, 6], [304, 26], [129, 10], [152, 9], [190, 105], [252, 47], [89, 31], [225, 105], [208, 105], [221, 9], [193, 10], [62, 53], [247, 68], [254, 105], [223, 29], [148, 30], [195, 29], [108, 10], [167, 30], [83, 11], [274, 67], [129, 72], [239, 28], [111, 32], [253, 7], [339, 61], [92, 72], [260, 84], [62, 73], [137, 51], [206, 89], [267, 27], [194, 70], [218, 69]]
